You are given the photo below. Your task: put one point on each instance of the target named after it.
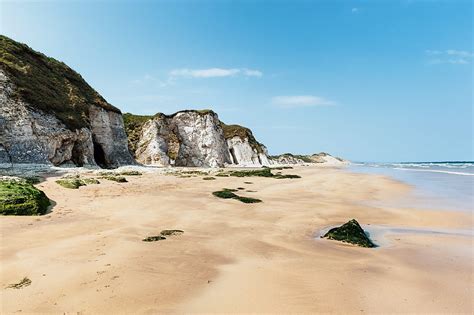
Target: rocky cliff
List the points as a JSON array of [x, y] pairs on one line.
[[243, 148], [192, 138], [49, 114]]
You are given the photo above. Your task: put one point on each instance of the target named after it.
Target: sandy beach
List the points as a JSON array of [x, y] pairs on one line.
[[87, 255]]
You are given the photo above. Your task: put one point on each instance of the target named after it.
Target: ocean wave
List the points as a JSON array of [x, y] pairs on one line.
[[434, 171]]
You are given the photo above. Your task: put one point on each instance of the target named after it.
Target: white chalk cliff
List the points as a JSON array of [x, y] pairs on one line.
[[193, 138], [50, 115]]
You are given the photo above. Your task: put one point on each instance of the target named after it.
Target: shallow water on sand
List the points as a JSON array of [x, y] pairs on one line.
[[447, 186]]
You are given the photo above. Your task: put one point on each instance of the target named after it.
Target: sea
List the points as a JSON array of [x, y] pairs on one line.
[[436, 185]]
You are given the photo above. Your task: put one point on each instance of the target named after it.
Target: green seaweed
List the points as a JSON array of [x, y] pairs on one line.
[[224, 194], [171, 232], [118, 179], [23, 283], [289, 176], [71, 183], [75, 182], [229, 194], [248, 199], [263, 172], [22, 198], [90, 181], [130, 173], [154, 238]]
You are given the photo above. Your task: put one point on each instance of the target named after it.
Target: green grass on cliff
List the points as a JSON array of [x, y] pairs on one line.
[[22, 198], [231, 131], [133, 127], [304, 158], [49, 85]]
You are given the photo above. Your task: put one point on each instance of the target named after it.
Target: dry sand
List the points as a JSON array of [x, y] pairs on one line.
[[87, 255]]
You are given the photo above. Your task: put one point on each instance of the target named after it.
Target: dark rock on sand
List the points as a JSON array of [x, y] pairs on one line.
[[350, 232]]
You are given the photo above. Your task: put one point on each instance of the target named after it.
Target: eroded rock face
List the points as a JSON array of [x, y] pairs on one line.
[[153, 144], [242, 153], [193, 138], [109, 138], [50, 115], [201, 139], [28, 135], [187, 138]]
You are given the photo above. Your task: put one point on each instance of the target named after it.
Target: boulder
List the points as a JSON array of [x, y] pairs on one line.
[[350, 232]]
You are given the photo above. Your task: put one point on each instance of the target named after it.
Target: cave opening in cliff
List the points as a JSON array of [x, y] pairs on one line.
[[232, 153], [77, 155], [99, 155]]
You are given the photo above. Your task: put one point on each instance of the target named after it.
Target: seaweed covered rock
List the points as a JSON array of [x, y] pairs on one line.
[[350, 232], [22, 198], [229, 194]]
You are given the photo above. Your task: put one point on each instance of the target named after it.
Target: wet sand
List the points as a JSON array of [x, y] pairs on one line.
[[87, 255]]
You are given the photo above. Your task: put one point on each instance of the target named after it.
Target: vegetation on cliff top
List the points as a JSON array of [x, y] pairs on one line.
[[133, 127], [350, 232], [22, 198], [49, 85], [231, 131], [304, 158]]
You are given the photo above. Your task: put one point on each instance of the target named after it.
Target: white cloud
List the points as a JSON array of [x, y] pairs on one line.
[[460, 53], [355, 10], [292, 101], [214, 72], [450, 56], [252, 73]]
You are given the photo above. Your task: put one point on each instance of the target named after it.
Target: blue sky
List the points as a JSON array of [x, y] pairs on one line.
[[365, 80]]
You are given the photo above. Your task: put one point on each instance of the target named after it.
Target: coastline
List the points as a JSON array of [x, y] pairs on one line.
[[87, 254]]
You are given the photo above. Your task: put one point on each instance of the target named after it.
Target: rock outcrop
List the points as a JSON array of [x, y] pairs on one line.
[[50, 115], [350, 232], [319, 158], [243, 148], [289, 159], [192, 138]]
